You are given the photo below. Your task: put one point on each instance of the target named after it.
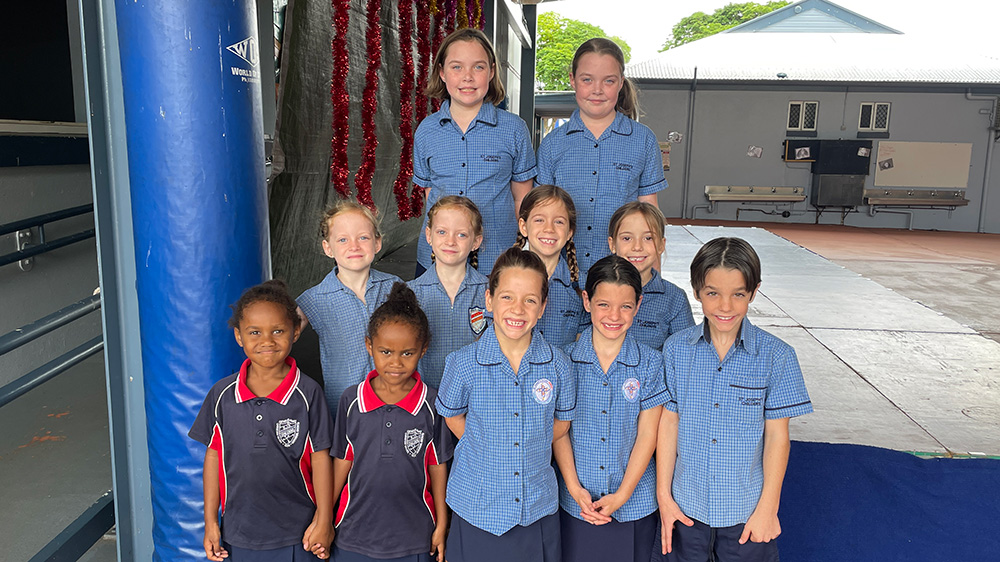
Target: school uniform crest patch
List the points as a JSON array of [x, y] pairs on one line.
[[413, 441], [477, 319], [543, 391], [630, 388], [287, 431]]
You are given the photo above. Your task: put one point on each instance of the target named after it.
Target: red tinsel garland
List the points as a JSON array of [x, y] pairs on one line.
[[369, 104], [340, 99], [401, 186]]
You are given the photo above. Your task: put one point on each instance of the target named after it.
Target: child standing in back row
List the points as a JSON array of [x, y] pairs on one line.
[[723, 440], [452, 293], [602, 156], [339, 307], [470, 147]]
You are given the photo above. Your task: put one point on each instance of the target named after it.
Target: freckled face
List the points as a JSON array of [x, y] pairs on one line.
[[517, 303], [725, 300], [452, 236], [612, 308], [352, 241]]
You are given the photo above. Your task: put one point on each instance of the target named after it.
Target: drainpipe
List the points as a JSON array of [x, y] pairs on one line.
[[687, 152], [990, 143]]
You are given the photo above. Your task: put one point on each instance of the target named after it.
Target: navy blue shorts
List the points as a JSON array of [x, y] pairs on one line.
[[620, 542], [538, 542], [293, 553], [702, 543], [348, 556]]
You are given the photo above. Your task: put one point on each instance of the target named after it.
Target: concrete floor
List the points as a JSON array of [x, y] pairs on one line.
[[893, 330]]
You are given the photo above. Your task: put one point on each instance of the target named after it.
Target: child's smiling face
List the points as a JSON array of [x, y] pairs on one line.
[[517, 303], [452, 236], [266, 334], [547, 228], [725, 300], [612, 308], [352, 241], [466, 74], [638, 244]]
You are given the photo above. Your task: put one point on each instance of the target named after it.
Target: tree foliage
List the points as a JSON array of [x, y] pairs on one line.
[[558, 38], [699, 24]]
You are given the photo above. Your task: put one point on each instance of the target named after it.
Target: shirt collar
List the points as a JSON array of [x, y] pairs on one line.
[[621, 125], [472, 277], [488, 350], [561, 273], [281, 394], [655, 285], [583, 350], [487, 114], [368, 400], [747, 338]]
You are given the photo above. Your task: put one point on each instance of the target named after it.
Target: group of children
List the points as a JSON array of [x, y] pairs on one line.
[[507, 403]]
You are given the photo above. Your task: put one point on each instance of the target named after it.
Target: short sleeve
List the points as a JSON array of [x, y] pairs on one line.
[[444, 445], [453, 394], [421, 158], [524, 158], [670, 377], [320, 423], [203, 428], [786, 390], [341, 446], [566, 399], [545, 166], [652, 180], [307, 302], [655, 389]]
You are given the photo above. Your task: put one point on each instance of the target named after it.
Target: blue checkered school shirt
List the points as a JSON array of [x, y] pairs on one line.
[[606, 422], [341, 322], [478, 164], [719, 473], [601, 175], [502, 473], [664, 311], [563, 309], [452, 325]]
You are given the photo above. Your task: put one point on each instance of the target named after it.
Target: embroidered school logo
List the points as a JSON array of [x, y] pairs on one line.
[[630, 388], [623, 166], [750, 401], [490, 157], [477, 319], [543, 391], [413, 441], [287, 431]]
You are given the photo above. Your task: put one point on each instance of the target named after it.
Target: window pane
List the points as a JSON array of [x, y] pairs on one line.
[[866, 116], [794, 114], [882, 116], [809, 116]]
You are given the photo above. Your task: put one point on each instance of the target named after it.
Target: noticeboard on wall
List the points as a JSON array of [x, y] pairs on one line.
[[923, 164]]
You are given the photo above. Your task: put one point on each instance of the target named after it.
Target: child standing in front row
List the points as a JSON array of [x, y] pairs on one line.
[[723, 440], [267, 431], [470, 147], [636, 234], [390, 447], [506, 397], [602, 156], [451, 292], [608, 486], [547, 223], [339, 307]]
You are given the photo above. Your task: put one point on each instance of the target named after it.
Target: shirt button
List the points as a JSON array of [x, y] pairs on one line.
[[388, 441], [594, 173], [517, 499], [388, 424], [260, 434], [517, 383], [516, 414], [595, 145], [605, 383], [463, 138], [602, 468], [587, 254], [463, 164], [604, 412], [603, 440], [260, 402], [517, 473], [259, 417], [591, 199], [516, 444], [461, 193], [589, 227], [720, 367], [714, 441], [716, 404]]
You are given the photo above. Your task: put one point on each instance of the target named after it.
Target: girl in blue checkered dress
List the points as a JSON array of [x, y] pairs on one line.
[[608, 484]]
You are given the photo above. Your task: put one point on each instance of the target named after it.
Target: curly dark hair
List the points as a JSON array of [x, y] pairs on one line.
[[401, 306], [274, 291]]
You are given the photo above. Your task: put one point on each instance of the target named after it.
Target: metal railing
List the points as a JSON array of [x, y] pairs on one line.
[[39, 222]]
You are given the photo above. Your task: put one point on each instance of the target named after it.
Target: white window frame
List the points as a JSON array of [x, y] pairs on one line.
[[874, 105], [802, 111]]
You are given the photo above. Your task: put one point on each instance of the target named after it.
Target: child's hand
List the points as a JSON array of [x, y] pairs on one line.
[[609, 504], [761, 527], [213, 543], [670, 512], [438, 542], [587, 507], [318, 538]]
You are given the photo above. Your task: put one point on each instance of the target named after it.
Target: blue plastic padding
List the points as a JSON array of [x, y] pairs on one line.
[[199, 204]]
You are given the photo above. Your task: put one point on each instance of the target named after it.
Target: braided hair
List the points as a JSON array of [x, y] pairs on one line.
[[545, 194]]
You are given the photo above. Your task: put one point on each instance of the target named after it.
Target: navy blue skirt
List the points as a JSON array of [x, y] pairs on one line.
[[348, 556], [293, 553], [621, 542], [538, 542]]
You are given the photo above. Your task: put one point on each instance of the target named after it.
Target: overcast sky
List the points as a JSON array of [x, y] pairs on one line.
[[646, 24]]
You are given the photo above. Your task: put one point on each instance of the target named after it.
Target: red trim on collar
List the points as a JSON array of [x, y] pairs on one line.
[[411, 402], [281, 394]]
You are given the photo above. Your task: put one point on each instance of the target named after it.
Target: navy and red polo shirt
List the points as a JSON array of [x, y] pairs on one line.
[[265, 445], [386, 509]]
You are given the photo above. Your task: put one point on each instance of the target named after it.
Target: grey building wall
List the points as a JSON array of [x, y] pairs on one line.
[[727, 121]]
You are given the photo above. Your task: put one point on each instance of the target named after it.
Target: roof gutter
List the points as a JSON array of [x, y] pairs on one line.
[[991, 141], [689, 135]]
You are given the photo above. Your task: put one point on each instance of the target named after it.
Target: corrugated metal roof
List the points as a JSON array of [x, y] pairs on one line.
[[811, 21], [820, 57]]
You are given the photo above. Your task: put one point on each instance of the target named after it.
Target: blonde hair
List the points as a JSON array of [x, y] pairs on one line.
[[436, 87], [628, 96], [346, 206], [475, 217], [651, 213], [544, 194]]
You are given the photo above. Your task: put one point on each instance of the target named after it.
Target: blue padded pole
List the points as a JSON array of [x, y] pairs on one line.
[[199, 208]]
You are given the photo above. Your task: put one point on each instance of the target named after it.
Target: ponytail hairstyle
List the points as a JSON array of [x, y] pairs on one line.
[[614, 269], [475, 217], [544, 195], [436, 87], [628, 96], [650, 213], [401, 306], [516, 257], [274, 291]]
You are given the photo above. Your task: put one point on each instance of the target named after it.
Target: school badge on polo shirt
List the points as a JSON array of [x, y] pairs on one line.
[[542, 391], [413, 441], [630, 388], [477, 319], [287, 431]]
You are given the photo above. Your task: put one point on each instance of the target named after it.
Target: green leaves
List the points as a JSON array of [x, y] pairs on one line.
[[558, 38], [699, 24]]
